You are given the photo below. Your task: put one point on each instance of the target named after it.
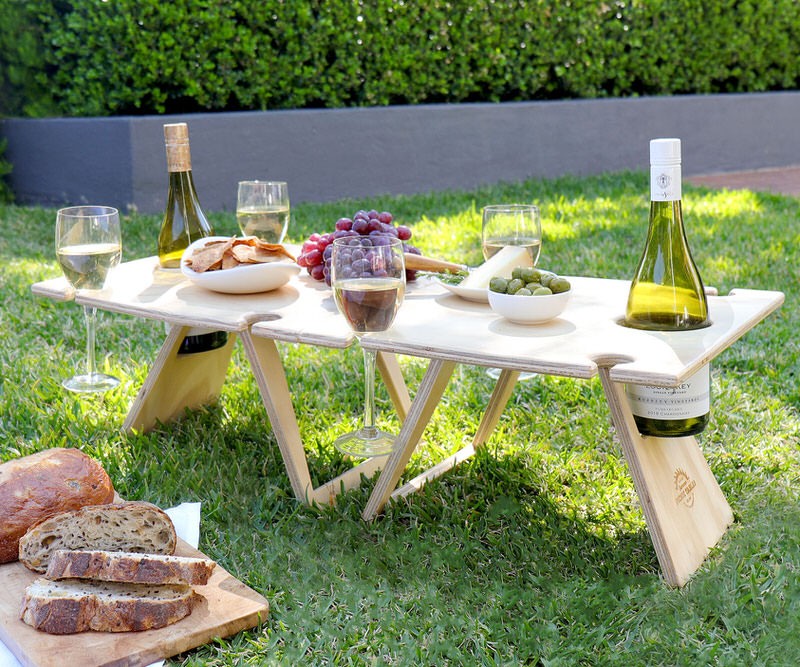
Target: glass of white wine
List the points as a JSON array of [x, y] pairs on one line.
[[88, 246], [262, 210], [511, 225], [368, 277]]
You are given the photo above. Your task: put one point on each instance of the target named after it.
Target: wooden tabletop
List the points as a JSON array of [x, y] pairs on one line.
[[434, 323], [303, 309]]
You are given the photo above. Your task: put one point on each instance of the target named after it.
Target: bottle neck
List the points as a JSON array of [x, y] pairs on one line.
[[181, 181], [179, 157], [665, 183]]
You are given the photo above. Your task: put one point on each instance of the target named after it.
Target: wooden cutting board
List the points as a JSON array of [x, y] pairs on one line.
[[228, 606]]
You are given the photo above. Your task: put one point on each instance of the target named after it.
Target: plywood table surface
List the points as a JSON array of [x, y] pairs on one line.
[[227, 607]]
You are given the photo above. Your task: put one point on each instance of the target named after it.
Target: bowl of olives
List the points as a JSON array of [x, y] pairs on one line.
[[530, 295]]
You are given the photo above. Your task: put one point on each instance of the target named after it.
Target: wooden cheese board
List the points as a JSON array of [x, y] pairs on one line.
[[227, 607]]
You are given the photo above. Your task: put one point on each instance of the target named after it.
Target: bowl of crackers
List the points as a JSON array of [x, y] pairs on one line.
[[238, 265]]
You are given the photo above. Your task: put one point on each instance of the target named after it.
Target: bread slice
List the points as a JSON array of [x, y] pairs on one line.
[[129, 567], [70, 606], [130, 526]]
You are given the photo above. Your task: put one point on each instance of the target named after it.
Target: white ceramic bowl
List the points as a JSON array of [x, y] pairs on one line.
[[529, 309], [243, 279]]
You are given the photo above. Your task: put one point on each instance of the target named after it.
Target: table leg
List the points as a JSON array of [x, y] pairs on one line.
[[497, 403], [271, 380], [427, 398], [684, 507], [389, 369], [177, 382]]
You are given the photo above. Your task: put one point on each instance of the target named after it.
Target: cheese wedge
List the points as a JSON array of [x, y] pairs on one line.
[[501, 264]]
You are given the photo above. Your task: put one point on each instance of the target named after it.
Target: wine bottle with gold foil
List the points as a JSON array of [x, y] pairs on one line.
[[667, 294], [184, 223]]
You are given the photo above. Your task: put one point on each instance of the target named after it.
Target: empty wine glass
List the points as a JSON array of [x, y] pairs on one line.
[[506, 225], [88, 245], [262, 210], [368, 278]]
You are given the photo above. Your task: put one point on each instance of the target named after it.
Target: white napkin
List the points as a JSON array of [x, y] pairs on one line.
[[186, 518]]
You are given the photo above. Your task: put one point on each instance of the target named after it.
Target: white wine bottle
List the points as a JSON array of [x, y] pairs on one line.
[[667, 294], [184, 222]]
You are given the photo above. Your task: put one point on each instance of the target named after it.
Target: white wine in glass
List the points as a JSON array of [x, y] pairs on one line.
[[88, 246], [511, 225], [262, 210], [368, 277]]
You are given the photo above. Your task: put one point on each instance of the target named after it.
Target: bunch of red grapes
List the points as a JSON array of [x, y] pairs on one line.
[[316, 252]]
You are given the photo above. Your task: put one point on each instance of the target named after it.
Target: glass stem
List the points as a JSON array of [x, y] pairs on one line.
[[90, 315], [369, 393]]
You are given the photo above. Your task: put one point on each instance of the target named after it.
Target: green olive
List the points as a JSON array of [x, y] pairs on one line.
[[523, 291], [498, 284], [516, 272], [546, 277], [542, 291], [532, 286], [514, 285], [559, 284], [529, 275]]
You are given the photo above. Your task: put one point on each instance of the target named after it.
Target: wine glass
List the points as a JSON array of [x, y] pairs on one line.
[[368, 279], [511, 225], [88, 245], [506, 225], [262, 210]]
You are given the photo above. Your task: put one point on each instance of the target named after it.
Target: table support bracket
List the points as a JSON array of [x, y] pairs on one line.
[[684, 507], [177, 382]]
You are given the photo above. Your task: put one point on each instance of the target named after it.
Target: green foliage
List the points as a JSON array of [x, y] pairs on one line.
[[148, 56], [534, 551], [6, 195]]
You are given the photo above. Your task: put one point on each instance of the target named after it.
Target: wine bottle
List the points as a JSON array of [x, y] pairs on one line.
[[184, 222], [667, 294]]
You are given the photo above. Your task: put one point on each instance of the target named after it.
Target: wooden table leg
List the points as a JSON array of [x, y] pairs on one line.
[[684, 507], [177, 382], [427, 398], [392, 376], [271, 380], [497, 403]]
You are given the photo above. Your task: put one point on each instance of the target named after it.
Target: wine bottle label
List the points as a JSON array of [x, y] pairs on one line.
[[692, 398], [665, 183]]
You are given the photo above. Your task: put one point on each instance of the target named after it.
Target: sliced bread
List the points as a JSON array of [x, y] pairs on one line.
[[130, 526], [73, 605], [129, 567]]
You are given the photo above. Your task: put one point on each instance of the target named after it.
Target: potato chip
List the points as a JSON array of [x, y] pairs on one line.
[[233, 252]]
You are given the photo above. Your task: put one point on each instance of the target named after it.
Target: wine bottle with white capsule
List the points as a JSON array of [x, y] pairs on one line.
[[184, 223], [667, 294]]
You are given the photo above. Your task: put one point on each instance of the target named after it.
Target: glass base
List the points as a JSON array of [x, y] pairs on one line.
[[365, 443], [95, 382], [495, 373]]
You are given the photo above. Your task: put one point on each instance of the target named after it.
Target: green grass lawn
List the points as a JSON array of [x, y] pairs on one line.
[[533, 552]]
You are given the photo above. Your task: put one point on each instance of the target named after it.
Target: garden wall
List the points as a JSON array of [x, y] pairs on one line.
[[330, 154]]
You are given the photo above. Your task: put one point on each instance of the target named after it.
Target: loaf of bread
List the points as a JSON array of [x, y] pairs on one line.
[[129, 567], [74, 605], [130, 526], [37, 486]]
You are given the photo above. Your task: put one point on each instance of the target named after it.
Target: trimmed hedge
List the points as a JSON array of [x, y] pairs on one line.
[[116, 57]]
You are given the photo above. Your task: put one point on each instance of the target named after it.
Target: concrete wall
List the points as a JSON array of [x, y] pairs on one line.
[[337, 153]]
